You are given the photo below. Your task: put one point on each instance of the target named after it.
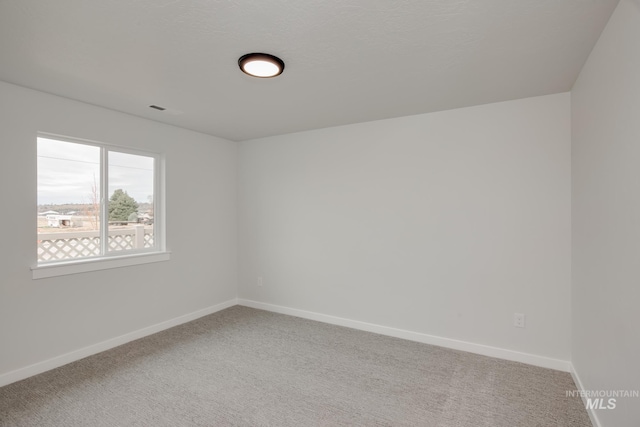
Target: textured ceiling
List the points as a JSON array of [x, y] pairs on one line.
[[347, 61]]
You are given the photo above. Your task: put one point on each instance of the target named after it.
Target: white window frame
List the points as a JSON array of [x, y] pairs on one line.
[[113, 259]]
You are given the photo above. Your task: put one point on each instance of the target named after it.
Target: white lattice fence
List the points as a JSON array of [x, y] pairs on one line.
[[82, 244]]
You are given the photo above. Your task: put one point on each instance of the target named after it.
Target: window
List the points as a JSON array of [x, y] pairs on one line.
[[95, 202]]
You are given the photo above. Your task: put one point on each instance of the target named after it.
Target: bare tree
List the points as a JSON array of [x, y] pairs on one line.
[[92, 209], [150, 201]]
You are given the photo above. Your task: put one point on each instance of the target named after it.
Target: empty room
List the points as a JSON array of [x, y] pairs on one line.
[[323, 213]]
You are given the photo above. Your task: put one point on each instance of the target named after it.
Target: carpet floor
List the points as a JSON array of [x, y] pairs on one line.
[[247, 367]]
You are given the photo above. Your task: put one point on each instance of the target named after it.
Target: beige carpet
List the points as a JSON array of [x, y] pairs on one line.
[[246, 367]]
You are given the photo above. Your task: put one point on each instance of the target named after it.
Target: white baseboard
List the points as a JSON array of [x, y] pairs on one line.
[[591, 411], [55, 362], [500, 353]]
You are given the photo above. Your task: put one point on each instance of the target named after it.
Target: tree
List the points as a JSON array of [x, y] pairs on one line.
[[92, 209], [150, 201], [121, 205]]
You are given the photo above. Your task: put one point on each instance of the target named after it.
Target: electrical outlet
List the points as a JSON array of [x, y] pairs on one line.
[[259, 281], [518, 320]]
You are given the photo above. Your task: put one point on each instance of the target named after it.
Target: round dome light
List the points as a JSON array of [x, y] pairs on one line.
[[261, 65]]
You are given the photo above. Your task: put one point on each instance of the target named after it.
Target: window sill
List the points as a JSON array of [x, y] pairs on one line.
[[84, 266]]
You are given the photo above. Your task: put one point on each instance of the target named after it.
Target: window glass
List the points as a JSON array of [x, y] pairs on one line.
[[68, 200], [130, 201], [75, 221]]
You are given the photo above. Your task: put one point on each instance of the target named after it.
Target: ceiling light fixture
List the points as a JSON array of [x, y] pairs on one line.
[[261, 65]]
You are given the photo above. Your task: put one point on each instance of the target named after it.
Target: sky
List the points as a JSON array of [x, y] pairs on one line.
[[67, 172]]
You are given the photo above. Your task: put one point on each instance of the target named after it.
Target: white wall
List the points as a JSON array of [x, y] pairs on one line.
[[444, 224], [45, 318], [606, 215]]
